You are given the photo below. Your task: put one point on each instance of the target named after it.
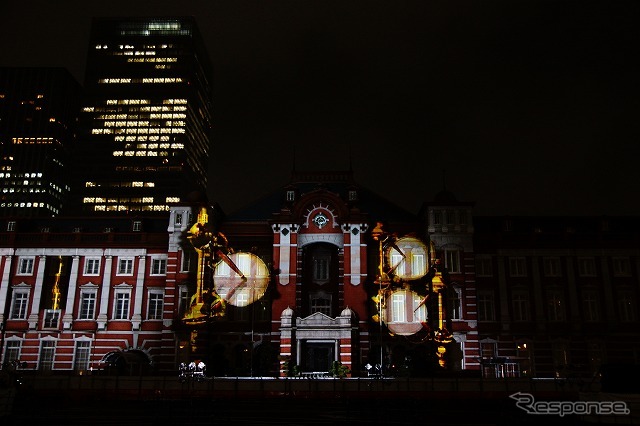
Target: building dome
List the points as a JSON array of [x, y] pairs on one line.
[[287, 312], [346, 312]]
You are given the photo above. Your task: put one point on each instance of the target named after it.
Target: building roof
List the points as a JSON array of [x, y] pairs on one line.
[[340, 183]]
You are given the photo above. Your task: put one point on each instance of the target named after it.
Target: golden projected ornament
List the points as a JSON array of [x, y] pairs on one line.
[[238, 279]]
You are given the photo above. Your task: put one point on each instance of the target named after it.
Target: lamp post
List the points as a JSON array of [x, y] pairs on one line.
[[379, 235]]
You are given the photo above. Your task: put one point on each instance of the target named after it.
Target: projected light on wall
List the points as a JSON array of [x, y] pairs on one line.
[[241, 290], [407, 258], [403, 313], [401, 309]]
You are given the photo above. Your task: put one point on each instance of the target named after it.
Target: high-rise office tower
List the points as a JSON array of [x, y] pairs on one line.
[[38, 115], [146, 119]]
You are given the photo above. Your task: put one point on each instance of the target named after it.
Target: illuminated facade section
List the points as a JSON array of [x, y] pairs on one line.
[[146, 121], [38, 110]]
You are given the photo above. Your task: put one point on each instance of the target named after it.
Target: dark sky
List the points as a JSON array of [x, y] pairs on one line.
[[530, 107]]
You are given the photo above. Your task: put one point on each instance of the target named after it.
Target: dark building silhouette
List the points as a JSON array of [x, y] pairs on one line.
[[38, 113], [145, 137]]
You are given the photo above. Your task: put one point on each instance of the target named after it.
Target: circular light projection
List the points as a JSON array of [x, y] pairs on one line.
[[407, 258], [236, 289], [403, 314]]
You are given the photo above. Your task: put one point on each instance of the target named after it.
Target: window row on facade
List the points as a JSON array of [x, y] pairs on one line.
[[88, 305], [79, 358], [520, 266], [92, 265], [555, 305]]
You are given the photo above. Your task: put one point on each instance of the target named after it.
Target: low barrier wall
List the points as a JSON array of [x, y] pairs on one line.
[[147, 387]]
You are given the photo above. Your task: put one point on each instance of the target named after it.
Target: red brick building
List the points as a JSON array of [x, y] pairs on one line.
[[516, 296]]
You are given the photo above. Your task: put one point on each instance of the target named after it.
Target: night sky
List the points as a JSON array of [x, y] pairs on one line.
[[525, 107]]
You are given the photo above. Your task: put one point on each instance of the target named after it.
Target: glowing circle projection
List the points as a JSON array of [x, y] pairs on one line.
[[240, 278], [403, 313], [408, 258]]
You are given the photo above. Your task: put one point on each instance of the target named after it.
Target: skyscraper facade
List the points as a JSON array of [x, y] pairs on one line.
[[146, 120], [38, 114]]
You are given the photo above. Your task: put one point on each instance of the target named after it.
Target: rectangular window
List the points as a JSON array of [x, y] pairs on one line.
[[591, 306], [87, 304], [158, 266], [452, 261], [449, 217], [121, 305], [560, 355], [420, 314], [92, 266], [517, 267], [587, 267], [137, 226], [455, 307], [463, 217], [47, 352], [626, 307], [397, 263], [484, 267], [437, 217], [321, 304], [555, 306], [51, 318], [520, 305], [418, 264], [81, 355], [25, 266], [488, 350], [19, 304], [125, 266], [12, 351], [11, 226], [595, 354], [621, 267], [187, 257], [321, 268], [551, 266], [184, 300], [156, 305], [178, 219], [398, 312], [486, 306], [242, 297]]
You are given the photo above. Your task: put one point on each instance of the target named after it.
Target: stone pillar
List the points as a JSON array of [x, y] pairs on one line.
[[37, 294], [67, 319], [4, 286], [104, 293], [538, 297], [505, 320], [609, 305], [286, 335], [574, 303], [136, 319]]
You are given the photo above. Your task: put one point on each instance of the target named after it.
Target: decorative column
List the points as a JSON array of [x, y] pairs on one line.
[[286, 338], [37, 294], [4, 286], [104, 293], [574, 303], [538, 297], [136, 319], [609, 304], [504, 295], [67, 319]]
